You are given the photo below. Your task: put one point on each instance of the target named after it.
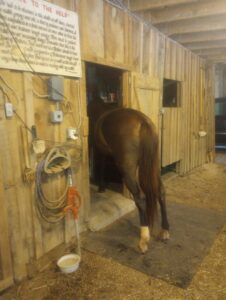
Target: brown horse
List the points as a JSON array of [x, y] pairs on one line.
[[130, 137]]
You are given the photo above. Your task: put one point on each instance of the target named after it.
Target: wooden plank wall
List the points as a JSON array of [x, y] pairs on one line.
[[196, 103], [29, 237], [104, 33], [112, 37]]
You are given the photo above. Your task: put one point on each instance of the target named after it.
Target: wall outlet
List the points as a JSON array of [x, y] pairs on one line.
[[56, 116], [72, 133], [8, 110]]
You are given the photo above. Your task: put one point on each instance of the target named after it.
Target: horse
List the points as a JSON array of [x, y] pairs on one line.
[[130, 137]]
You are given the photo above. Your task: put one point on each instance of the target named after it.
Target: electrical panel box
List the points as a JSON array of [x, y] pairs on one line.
[[56, 88], [56, 116]]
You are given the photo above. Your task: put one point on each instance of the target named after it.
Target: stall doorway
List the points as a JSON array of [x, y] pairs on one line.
[[106, 84]]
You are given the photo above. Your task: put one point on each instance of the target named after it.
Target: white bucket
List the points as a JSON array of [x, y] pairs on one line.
[[69, 263]]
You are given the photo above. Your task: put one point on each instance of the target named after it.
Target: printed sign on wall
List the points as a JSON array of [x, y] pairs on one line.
[[47, 38]]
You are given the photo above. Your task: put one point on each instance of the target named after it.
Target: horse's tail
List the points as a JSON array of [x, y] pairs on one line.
[[149, 169]]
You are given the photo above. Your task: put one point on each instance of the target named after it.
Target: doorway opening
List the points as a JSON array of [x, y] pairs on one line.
[[106, 84]]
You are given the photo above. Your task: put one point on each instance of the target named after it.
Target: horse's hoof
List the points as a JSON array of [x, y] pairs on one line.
[[143, 246], [164, 235]]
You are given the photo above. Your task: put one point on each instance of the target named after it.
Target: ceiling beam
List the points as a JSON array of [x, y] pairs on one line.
[[188, 11], [194, 25], [218, 59], [139, 5], [200, 37], [206, 45], [210, 52]]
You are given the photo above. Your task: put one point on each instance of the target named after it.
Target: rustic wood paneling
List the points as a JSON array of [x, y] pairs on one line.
[[111, 37], [146, 96], [171, 136]]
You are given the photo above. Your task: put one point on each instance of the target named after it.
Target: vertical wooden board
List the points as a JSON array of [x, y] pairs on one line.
[[152, 52], [114, 34], [136, 45], [84, 168], [5, 253], [14, 207], [167, 59], [197, 99], [171, 152], [127, 89], [173, 56], [146, 50], [185, 103], [161, 57], [92, 28], [179, 63], [30, 121], [156, 54], [127, 39], [13, 79], [189, 106]]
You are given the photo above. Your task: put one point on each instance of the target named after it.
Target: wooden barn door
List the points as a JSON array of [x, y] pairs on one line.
[[171, 133], [145, 96]]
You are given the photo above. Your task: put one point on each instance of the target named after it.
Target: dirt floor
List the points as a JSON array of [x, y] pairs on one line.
[[103, 278]]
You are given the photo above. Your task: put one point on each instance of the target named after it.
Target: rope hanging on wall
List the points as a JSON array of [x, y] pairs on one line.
[[56, 162]]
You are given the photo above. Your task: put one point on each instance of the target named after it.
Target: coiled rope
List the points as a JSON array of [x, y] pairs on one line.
[[57, 161]]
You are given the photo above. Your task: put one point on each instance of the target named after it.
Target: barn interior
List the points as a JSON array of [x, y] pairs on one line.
[[165, 58]]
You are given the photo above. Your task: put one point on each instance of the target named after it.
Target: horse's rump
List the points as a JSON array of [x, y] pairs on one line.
[[130, 137]]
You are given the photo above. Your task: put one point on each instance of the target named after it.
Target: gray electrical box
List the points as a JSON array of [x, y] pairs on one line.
[[56, 88]]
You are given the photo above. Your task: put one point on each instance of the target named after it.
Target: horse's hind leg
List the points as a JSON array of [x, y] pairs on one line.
[[141, 205], [164, 233]]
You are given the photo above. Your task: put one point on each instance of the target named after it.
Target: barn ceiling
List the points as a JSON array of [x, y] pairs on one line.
[[199, 25]]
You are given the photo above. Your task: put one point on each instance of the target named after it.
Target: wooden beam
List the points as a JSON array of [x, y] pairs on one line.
[[194, 25], [218, 59], [211, 52], [206, 45], [189, 11], [139, 5], [200, 37]]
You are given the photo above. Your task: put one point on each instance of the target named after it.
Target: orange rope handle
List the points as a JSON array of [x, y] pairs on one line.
[[73, 201]]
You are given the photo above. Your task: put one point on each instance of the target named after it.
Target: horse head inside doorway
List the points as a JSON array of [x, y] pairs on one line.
[[130, 137]]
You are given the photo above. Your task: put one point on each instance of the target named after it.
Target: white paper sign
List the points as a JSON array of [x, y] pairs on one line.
[[47, 35]]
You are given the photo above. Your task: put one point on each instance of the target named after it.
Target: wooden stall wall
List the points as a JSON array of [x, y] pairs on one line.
[[111, 36], [104, 33], [188, 135], [198, 112], [26, 239], [30, 238], [172, 127]]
